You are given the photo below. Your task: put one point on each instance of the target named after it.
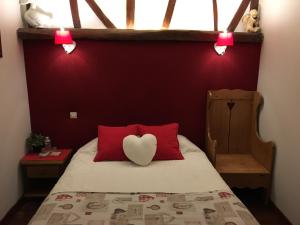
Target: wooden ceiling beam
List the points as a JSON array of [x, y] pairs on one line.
[[99, 13], [0, 47], [215, 8], [238, 15], [169, 14], [254, 4], [130, 11], [75, 13]]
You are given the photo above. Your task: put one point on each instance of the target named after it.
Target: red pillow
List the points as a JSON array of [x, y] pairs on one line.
[[110, 142], [167, 142]]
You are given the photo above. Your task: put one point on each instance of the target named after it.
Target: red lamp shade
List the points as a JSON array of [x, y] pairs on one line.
[[225, 39], [63, 37]]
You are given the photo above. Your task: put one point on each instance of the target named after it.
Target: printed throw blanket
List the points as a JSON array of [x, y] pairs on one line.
[[82, 208]]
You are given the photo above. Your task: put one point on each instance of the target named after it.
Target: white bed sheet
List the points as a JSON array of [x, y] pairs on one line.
[[193, 174]]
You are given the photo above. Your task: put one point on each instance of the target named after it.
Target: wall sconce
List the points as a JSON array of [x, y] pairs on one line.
[[64, 38], [224, 39]]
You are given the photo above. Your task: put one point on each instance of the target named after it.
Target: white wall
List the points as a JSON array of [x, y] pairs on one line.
[[14, 110], [279, 83]]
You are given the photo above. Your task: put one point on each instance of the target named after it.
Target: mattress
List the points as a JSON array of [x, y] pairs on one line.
[[193, 174]]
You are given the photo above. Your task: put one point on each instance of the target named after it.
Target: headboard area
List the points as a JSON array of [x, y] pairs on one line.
[[125, 82]]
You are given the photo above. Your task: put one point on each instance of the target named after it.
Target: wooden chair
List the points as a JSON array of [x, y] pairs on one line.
[[232, 142]]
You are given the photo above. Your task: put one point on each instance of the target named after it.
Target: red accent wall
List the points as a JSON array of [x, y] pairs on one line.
[[117, 83]]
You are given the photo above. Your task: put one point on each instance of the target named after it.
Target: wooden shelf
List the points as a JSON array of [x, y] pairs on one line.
[[38, 187], [138, 35], [37, 193]]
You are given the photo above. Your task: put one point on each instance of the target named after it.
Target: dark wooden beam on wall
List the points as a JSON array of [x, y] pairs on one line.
[[169, 14], [0, 46], [75, 13], [215, 8], [130, 11], [138, 35], [99, 13], [238, 15], [254, 4]]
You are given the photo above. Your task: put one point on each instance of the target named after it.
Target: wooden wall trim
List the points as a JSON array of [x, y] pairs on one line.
[[75, 13], [97, 10], [130, 11], [0, 46], [215, 8], [238, 15], [169, 14], [138, 35]]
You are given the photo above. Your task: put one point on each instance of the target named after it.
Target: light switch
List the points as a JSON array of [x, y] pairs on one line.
[[73, 115]]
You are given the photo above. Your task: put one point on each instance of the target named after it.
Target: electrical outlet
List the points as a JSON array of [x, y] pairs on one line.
[[73, 115]]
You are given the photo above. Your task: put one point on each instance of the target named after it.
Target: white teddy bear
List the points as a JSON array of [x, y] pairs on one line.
[[250, 21], [36, 16]]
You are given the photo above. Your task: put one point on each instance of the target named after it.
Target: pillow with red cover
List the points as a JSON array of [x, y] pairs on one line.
[[110, 142], [167, 142]]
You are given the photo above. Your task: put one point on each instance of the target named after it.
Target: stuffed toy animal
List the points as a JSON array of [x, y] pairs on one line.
[[36, 16], [250, 21]]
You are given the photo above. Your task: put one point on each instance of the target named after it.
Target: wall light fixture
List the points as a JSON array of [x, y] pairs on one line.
[[64, 38], [224, 39]]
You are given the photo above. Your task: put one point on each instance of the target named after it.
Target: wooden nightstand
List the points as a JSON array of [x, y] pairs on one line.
[[41, 173]]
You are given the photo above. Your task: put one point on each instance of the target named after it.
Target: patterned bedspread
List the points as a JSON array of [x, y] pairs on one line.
[[81, 208]]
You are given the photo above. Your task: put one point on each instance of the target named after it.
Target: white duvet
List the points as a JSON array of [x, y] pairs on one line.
[[193, 174]]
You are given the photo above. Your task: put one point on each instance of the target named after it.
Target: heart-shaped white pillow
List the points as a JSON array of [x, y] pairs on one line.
[[140, 150]]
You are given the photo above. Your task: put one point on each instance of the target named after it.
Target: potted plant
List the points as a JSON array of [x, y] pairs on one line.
[[35, 142]]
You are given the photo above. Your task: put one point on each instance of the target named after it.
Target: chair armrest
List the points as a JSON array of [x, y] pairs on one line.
[[263, 152], [211, 149]]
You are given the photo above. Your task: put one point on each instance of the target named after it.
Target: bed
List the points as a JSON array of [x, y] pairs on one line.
[[188, 192]]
